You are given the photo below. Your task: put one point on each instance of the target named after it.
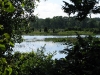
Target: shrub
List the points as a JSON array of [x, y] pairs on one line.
[[32, 63], [83, 58]]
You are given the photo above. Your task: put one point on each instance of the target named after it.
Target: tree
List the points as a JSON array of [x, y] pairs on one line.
[[14, 19], [82, 7], [83, 57], [47, 22], [45, 29]]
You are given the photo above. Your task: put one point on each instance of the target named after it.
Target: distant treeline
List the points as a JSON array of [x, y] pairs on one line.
[[67, 23]]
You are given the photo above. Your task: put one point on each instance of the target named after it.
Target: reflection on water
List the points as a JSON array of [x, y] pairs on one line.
[[33, 46]]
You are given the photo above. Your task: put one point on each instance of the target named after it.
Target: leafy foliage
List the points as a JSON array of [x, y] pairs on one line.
[[82, 7], [83, 58], [15, 16], [32, 63], [5, 69], [14, 19]]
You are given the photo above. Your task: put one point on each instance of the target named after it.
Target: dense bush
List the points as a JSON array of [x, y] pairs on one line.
[[12, 23], [32, 63], [83, 58]]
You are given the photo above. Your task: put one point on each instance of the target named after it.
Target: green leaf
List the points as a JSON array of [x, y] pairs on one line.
[[1, 27], [11, 8], [7, 6], [1, 41], [11, 44], [23, 4], [6, 35], [3, 60], [9, 69], [2, 47], [21, 57]]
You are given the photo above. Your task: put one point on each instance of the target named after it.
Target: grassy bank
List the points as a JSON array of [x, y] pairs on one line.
[[60, 33]]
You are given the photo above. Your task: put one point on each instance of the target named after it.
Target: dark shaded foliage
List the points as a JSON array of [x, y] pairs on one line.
[[82, 7], [83, 58], [14, 19], [45, 29]]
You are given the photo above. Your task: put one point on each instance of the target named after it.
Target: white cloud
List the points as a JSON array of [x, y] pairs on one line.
[[48, 9], [52, 8], [95, 15]]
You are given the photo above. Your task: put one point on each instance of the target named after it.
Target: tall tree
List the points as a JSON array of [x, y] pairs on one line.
[[82, 7], [14, 19]]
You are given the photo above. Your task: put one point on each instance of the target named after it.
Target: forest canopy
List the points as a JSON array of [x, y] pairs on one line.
[[60, 22]]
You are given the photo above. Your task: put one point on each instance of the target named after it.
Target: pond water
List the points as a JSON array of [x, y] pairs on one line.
[[32, 43]]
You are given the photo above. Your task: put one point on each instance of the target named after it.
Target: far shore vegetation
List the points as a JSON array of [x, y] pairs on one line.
[[59, 25], [59, 32]]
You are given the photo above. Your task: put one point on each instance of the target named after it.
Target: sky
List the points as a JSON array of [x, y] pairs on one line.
[[51, 8]]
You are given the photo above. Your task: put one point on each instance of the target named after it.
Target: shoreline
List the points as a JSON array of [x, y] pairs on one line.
[[60, 33]]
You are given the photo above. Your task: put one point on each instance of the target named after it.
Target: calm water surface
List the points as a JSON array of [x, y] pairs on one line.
[[32, 43]]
